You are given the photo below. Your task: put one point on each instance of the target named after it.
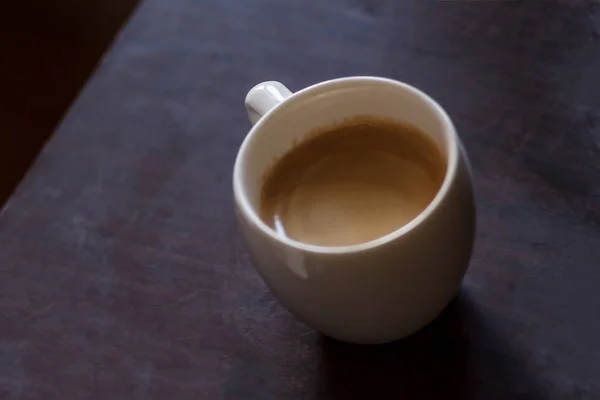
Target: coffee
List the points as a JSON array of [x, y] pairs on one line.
[[352, 182]]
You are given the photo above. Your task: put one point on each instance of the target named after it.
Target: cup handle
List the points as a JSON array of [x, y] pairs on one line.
[[263, 97]]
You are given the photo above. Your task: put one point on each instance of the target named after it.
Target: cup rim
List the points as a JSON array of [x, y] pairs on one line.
[[448, 129]]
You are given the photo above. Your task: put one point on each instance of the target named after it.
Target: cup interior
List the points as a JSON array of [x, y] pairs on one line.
[[329, 103]]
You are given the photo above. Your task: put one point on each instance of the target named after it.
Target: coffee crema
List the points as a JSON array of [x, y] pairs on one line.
[[352, 182]]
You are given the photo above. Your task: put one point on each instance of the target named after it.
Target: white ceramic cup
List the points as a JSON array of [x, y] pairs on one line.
[[377, 291]]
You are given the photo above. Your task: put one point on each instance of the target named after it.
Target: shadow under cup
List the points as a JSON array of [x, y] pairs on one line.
[[379, 290]]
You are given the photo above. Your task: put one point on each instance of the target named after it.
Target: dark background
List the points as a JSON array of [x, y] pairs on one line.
[[48, 49]]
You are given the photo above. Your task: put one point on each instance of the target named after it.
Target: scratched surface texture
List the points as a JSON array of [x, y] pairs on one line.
[[122, 275]]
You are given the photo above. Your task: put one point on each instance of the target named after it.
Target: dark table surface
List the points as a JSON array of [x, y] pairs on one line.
[[122, 275]]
